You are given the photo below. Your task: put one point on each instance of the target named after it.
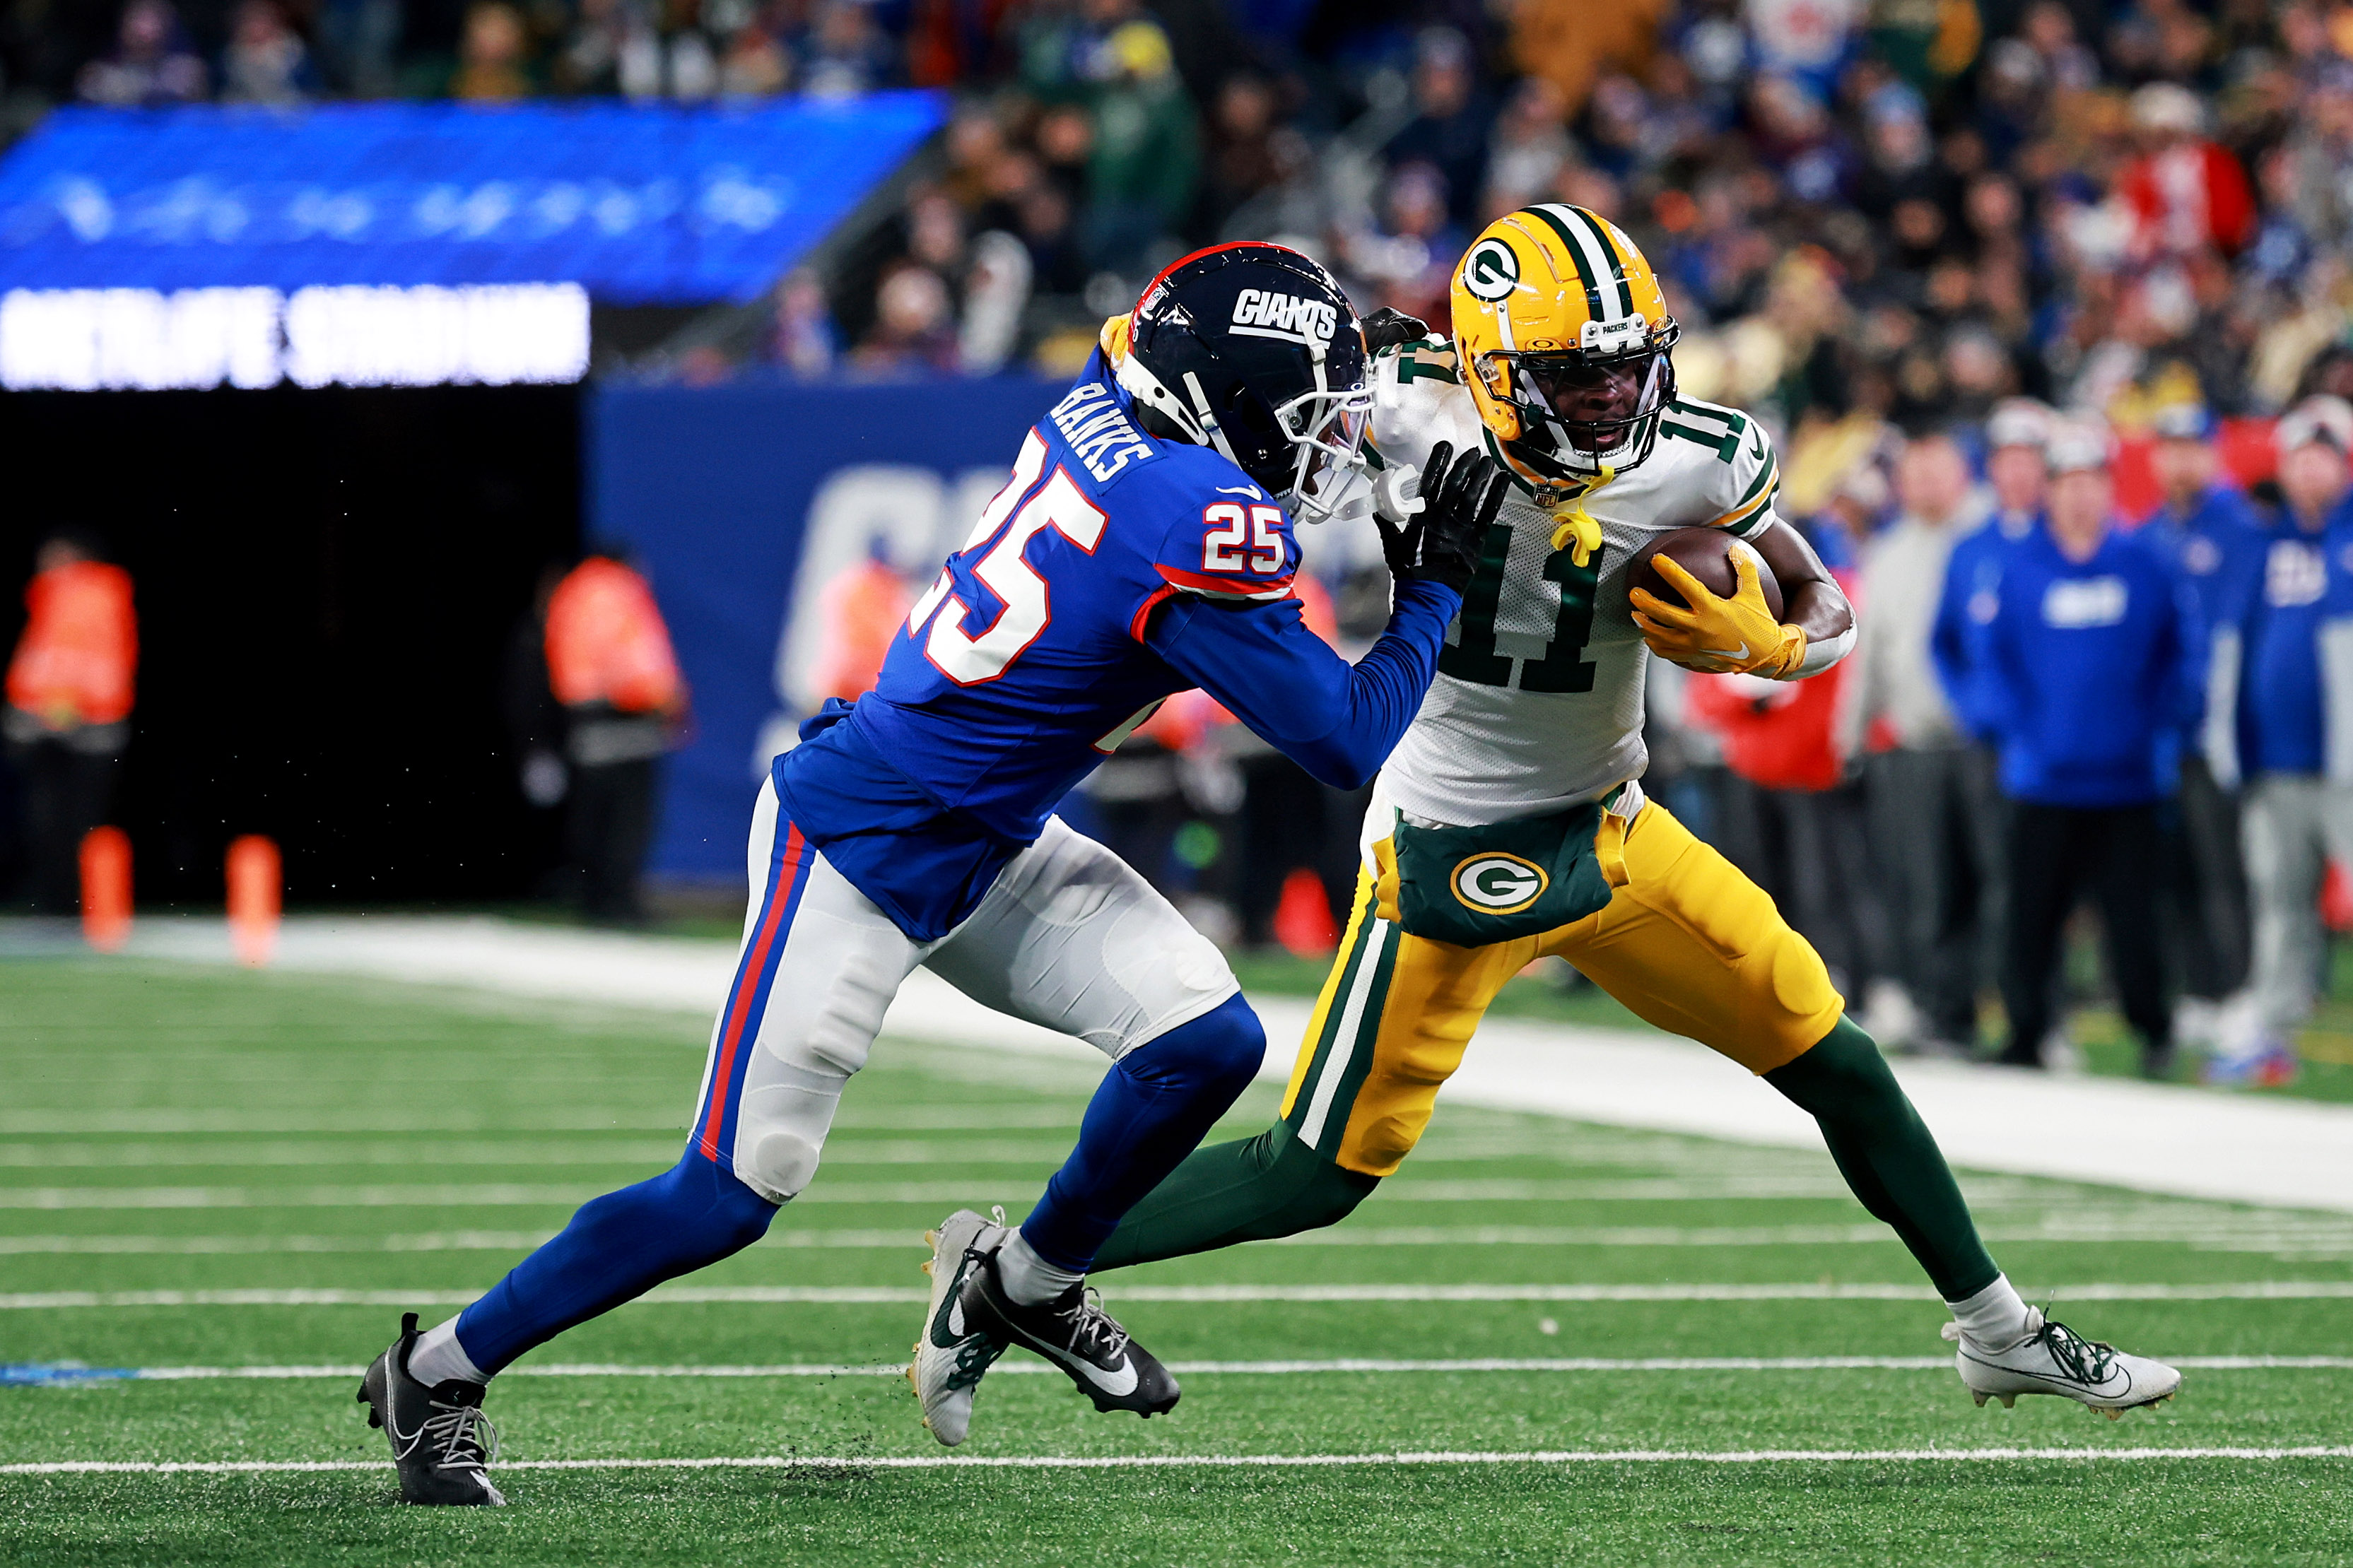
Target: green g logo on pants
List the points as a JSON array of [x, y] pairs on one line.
[[1495, 883]]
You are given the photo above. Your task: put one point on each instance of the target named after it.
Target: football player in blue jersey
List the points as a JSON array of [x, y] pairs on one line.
[[1142, 546]]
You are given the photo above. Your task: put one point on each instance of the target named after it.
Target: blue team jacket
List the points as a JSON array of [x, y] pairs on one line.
[[1113, 570], [2283, 683], [2096, 668], [2217, 545], [1956, 644]]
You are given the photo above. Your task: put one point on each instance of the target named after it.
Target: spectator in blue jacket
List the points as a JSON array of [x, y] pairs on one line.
[[2015, 434], [2093, 651], [2214, 537], [2286, 655]]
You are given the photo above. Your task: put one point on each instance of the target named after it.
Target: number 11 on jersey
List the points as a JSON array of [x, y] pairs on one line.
[[1474, 658]]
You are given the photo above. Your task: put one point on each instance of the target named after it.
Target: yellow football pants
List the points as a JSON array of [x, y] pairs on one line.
[[1688, 942]]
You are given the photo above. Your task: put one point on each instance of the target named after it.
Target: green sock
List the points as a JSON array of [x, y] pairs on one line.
[[1884, 1151], [1253, 1190]]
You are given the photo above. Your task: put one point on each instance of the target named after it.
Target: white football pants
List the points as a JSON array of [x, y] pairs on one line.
[[1070, 937]]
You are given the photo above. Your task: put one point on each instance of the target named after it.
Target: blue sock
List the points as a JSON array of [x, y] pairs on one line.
[[617, 1247], [1152, 1109]]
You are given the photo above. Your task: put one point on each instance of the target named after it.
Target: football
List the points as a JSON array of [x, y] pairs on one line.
[[1706, 554]]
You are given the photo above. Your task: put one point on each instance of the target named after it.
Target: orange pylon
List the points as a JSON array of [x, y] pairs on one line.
[[1302, 921], [256, 885], [106, 889]]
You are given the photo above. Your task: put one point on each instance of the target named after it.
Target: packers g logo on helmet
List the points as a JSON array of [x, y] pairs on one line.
[[1491, 271], [1560, 322]]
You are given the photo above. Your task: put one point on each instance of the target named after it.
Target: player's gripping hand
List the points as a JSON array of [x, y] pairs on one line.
[[1388, 329], [1460, 495], [1737, 635]]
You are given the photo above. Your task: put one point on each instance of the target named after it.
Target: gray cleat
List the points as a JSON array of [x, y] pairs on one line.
[[951, 1356], [441, 1441]]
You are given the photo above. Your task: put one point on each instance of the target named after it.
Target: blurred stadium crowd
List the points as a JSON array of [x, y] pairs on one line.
[[1909, 208], [1955, 254]]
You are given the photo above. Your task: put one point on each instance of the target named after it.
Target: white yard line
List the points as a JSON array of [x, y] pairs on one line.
[[1217, 1461], [2158, 1138], [2322, 1239], [1340, 1366], [344, 1153], [879, 1295], [1015, 1188]]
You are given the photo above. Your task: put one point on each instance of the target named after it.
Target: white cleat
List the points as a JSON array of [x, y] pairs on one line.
[[950, 1356], [2054, 1359]]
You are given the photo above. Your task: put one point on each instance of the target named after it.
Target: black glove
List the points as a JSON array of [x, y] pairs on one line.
[[1443, 543], [1386, 329]]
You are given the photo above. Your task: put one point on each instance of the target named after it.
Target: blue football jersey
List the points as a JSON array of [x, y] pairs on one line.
[[1025, 663]]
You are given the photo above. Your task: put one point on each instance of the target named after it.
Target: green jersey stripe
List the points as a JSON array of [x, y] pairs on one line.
[[1366, 928], [1358, 1066], [1350, 1003]]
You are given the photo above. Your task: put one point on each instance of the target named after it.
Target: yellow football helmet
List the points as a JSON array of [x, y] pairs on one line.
[[1564, 337]]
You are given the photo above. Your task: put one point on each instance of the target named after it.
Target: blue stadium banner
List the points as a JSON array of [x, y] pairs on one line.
[[744, 503], [633, 204]]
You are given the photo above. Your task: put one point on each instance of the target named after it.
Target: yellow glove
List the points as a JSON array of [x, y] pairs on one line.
[[1737, 635]]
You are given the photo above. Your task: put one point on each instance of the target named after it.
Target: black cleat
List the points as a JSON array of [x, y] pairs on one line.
[[1075, 1333], [440, 1439]]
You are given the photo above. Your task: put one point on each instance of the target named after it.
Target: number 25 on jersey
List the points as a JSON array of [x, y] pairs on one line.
[[969, 659]]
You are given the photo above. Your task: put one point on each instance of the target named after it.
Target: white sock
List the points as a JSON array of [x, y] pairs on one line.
[[1995, 1318], [436, 1357], [1028, 1279]]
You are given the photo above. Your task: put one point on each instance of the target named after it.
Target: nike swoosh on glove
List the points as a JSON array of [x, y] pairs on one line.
[[1737, 635]]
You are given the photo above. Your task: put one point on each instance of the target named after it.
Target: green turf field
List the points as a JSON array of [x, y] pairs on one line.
[[208, 1170]]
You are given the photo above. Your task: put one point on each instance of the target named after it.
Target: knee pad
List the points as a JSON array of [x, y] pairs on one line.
[[1225, 1045], [782, 1163]]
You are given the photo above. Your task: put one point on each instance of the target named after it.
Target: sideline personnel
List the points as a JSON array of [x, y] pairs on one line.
[[68, 714], [609, 663]]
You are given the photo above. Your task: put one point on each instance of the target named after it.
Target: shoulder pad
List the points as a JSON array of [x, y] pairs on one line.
[[1217, 533], [1739, 472]]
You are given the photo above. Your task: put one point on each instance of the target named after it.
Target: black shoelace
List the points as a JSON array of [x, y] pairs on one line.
[[2088, 1361]]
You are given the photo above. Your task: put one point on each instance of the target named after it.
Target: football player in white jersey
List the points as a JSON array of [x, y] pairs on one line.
[[1510, 823]]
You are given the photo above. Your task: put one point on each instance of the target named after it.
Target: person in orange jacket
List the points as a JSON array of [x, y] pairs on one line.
[[861, 610], [610, 664], [67, 718]]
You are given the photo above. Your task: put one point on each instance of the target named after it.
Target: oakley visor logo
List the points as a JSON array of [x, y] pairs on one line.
[[1491, 271], [1312, 319], [1498, 884]]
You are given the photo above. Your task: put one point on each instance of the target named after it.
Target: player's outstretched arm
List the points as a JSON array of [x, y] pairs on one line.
[[1339, 720]]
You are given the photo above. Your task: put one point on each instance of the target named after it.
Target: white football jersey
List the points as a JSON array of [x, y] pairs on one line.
[[1539, 701]]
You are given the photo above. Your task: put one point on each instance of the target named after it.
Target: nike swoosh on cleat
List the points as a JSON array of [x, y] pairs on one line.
[[1119, 1383]]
